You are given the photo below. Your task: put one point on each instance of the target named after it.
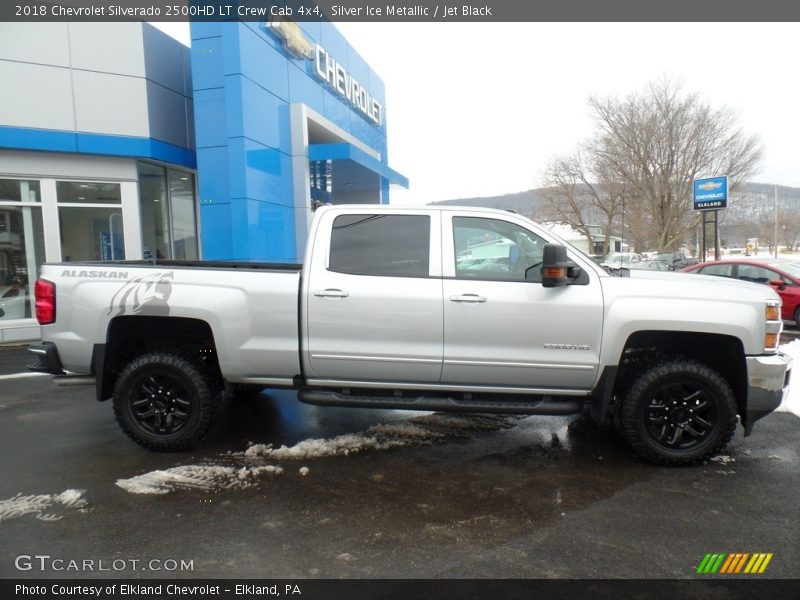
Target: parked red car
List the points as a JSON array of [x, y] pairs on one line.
[[781, 274]]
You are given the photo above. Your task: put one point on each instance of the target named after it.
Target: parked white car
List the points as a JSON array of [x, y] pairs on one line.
[[621, 259], [12, 302]]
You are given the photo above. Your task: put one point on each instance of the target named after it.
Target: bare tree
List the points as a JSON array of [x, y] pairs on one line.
[[580, 196], [655, 143]]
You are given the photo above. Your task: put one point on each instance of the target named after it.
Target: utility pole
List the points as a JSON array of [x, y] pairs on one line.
[[775, 235]]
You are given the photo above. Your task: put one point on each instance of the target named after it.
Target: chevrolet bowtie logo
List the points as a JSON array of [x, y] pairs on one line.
[[710, 185], [293, 37]]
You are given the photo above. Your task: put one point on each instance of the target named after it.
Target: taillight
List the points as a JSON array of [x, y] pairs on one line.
[[45, 292]]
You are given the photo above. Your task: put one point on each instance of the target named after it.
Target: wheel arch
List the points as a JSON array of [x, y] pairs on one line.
[[723, 353], [131, 336]]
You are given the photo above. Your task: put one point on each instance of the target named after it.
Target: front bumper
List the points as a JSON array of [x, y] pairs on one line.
[[767, 385]]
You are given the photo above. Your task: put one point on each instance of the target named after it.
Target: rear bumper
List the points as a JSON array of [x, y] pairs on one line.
[[768, 383], [47, 359]]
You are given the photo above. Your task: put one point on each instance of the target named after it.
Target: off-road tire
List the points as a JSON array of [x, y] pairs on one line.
[[172, 385], [678, 389]]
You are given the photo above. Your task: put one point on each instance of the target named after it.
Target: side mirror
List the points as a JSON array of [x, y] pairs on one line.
[[557, 269], [778, 283]]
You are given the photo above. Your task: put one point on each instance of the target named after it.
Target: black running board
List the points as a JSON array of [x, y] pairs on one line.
[[534, 405]]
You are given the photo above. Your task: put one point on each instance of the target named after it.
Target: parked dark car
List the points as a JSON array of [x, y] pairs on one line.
[[781, 274], [675, 260]]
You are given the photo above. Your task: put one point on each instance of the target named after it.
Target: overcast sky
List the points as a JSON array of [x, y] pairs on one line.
[[478, 109]]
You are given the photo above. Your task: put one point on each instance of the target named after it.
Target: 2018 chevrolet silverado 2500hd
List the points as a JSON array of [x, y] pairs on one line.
[[457, 309]]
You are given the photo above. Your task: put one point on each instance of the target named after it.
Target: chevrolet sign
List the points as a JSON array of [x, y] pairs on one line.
[[294, 40], [327, 68], [711, 193]]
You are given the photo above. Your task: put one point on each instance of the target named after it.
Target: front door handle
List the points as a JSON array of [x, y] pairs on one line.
[[468, 298], [331, 293]]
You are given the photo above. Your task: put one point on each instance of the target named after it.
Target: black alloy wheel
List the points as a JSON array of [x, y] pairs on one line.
[[681, 415], [165, 401], [159, 403], [678, 412]]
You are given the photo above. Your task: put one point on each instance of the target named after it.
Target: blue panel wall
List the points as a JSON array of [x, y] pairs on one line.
[[244, 81]]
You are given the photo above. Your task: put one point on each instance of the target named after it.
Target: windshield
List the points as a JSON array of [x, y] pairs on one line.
[[792, 267], [667, 256]]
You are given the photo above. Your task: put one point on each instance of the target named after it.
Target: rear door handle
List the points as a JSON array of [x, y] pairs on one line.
[[468, 298], [331, 293]]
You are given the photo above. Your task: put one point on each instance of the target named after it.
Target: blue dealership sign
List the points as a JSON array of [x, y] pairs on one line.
[[711, 193]]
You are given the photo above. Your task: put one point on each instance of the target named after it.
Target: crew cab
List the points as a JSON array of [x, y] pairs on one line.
[[455, 309]]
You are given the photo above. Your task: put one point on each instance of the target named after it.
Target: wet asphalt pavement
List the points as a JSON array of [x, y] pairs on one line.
[[489, 498]]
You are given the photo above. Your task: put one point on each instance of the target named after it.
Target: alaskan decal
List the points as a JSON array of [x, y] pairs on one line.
[[95, 274], [144, 295]]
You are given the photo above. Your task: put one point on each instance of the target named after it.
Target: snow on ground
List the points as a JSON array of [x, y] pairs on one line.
[[38, 505], [792, 402], [197, 477], [425, 429]]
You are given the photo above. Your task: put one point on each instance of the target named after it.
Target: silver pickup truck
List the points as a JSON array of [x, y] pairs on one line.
[[457, 309]]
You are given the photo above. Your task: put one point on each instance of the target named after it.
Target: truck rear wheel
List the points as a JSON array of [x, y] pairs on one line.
[[678, 412], [165, 402]]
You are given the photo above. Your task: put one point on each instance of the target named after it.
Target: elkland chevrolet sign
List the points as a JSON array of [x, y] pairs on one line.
[[711, 193]]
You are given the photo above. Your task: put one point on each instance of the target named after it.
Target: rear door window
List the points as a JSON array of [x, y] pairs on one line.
[[380, 244]]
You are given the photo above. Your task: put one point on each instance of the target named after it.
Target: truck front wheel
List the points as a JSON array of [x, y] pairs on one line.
[[678, 412], [163, 401]]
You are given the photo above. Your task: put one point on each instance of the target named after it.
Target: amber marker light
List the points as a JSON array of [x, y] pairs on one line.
[[771, 340]]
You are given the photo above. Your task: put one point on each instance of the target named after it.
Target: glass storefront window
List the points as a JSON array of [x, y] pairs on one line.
[[168, 213], [321, 179], [21, 246], [153, 201], [90, 232], [184, 220], [14, 190], [82, 192]]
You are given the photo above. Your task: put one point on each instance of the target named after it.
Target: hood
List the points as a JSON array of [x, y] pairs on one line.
[[669, 284]]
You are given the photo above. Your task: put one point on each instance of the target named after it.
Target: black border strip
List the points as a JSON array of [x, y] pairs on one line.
[[710, 11], [730, 587]]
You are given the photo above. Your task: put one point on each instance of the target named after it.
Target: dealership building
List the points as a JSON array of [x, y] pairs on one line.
[[118, 142]]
